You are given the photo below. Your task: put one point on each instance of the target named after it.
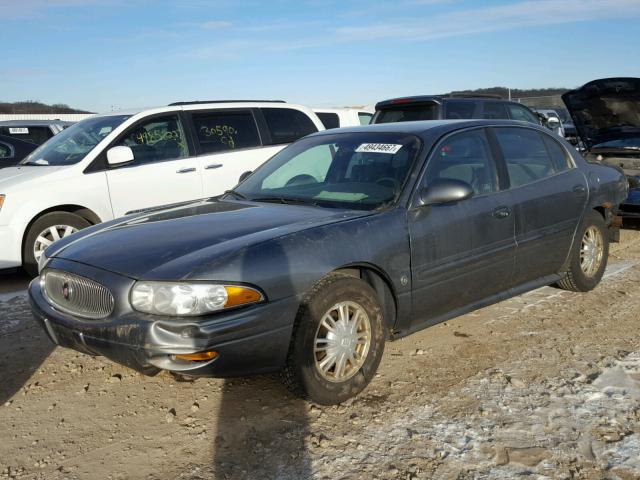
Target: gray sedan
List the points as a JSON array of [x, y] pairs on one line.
[[343, 240]]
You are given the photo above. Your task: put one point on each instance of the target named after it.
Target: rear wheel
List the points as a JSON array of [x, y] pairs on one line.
[[46, 230], [589, 255], [337, 342]]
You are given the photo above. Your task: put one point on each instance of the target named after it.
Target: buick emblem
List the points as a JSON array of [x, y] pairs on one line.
[[67, 291]]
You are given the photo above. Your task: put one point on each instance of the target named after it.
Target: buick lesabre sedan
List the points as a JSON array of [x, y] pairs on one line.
[[341, 241]]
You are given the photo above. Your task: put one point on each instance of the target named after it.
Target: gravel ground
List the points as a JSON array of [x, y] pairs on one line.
[[545, 385]]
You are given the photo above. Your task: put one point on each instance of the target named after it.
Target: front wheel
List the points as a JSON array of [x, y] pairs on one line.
[[589, 255], [338, 341], [46, 230]]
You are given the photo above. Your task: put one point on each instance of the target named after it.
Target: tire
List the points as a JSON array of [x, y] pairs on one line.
[[302, 373], [49, 220], [581, 276]]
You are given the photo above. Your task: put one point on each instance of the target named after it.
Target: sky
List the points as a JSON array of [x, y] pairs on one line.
[[102, 55]]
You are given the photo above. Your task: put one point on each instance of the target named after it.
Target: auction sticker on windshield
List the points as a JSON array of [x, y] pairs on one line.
[[18, 131], [378, 148]]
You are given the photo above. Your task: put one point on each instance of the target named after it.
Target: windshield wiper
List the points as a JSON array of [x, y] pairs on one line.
[[233, 192], [286, 200]]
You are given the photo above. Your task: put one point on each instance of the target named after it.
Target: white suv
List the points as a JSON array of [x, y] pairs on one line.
[[109, 165]]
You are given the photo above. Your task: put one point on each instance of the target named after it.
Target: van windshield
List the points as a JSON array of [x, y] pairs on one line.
[[72, 144]]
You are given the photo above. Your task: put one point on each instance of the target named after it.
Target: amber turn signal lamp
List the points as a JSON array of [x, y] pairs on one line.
[[237, 295], [197, 357]]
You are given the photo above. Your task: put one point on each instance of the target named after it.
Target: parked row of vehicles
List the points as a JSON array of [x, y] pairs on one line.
[[344, 238]]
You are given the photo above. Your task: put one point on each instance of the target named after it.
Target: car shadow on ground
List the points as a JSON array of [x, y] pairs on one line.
[[23, 347], [262, 431]]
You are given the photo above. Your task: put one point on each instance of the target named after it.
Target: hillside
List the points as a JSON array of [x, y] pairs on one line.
[[31, 106]]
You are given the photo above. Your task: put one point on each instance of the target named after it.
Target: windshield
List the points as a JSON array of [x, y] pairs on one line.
[[344, 170], [72, 144]]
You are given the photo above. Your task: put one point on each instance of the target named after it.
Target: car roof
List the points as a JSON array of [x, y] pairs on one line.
[[424, 127], [439, 99], [342, 109]]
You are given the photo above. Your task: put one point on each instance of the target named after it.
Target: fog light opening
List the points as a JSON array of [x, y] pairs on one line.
[[197, 357]]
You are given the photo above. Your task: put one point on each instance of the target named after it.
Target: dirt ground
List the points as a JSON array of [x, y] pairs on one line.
[[545, 385]]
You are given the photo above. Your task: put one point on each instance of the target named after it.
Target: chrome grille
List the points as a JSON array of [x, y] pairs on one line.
[[77, 295]]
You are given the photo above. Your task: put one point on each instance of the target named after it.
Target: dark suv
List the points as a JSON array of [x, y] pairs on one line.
[[437, 107]]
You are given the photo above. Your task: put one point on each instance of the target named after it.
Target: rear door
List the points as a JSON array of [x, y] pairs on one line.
[[461, 252], [163, 171], [549, 195]]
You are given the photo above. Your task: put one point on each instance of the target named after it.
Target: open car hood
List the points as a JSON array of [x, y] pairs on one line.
[[606, 112]]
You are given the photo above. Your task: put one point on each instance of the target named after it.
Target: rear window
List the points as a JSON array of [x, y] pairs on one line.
[[407, 113], [329, 120], [37, 135], [287, 125], [225, 131]]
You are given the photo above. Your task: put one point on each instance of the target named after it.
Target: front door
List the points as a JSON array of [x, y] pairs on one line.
[[162, 173], [461, 252]]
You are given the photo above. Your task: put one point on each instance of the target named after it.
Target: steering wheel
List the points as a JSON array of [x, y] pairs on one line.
[[302, 179], [388, 182]]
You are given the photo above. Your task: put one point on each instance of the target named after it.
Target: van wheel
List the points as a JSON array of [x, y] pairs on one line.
[[337, 342], [589, 255], [46, 230]]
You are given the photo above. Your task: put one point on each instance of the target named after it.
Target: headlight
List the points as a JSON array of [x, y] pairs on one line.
[[189, 299], [2, 197]]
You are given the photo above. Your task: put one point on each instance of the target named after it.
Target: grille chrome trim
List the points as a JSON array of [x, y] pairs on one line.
[[77, 295]]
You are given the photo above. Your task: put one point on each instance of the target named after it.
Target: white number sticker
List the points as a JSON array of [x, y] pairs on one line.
[[18, 131], [391, 148]]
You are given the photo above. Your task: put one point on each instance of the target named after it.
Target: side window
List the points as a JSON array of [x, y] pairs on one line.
[[155, 140], [459, 109], [5, 151], [558, 154], [287, 125], [225, 131], [519, 112], [329, 120], [310, 166], [497, 110], [365, 118], [526, 155], [465, 156]]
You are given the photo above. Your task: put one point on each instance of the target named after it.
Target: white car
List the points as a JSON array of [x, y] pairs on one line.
[[110, 165], [344, 117]]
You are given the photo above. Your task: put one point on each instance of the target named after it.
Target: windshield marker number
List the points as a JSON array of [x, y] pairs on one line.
[[390, 148]]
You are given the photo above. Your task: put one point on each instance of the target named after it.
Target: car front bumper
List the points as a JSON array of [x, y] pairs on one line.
[[630, 208], [11, 245], [248, 341]]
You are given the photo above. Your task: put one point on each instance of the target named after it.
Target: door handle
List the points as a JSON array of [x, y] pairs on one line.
[[579, 189], [502, 212], [212, 166], [186, 170]]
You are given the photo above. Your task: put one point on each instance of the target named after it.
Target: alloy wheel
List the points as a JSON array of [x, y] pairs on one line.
[[48, 236], [591, 251]]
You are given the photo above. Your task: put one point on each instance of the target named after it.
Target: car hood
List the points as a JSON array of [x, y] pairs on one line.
[[14, 176], [606, 110], [171, 243]]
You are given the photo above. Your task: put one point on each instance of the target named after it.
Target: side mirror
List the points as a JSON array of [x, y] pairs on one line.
[[553, 122], [244, 176], [119, 155], [445, 190]]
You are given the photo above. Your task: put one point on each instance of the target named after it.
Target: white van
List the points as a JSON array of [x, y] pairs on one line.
[[110, 165]]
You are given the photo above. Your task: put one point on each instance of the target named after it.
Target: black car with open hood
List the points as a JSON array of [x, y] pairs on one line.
[[606, 113]]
